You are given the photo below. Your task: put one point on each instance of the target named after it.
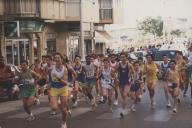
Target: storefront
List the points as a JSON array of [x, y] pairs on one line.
[[23, 41], [17, 50]]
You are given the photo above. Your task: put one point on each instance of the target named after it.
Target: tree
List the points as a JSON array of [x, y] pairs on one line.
[[151, 25], [176, 32]]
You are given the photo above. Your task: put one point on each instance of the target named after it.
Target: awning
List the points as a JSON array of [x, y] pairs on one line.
[[102, 36]]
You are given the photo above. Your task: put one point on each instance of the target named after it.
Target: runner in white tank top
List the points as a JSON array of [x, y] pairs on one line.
[[107, 83], [113, 64]]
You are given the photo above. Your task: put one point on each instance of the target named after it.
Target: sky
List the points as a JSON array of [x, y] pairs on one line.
[[139, 9]]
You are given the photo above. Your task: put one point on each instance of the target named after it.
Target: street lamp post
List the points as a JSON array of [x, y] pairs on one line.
[[82, 44]]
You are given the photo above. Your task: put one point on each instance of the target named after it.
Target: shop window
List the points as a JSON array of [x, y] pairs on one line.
[[51, 47]]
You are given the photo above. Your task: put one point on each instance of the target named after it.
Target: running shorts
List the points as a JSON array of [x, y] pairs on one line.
[[59, 91]]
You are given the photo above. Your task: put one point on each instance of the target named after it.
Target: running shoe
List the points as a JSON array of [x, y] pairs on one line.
[[116, 103], [133, 108], [69, 113], [122, 115], [64, 125], [168, 104], [52, 113], [30, 118], [75, 104], [174, 110], [152, 104], [110, 110]]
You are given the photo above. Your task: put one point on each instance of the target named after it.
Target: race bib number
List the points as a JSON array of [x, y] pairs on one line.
[[90, 74]]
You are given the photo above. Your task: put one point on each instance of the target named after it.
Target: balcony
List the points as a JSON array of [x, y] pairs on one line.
[[21, 8], [106, 16]]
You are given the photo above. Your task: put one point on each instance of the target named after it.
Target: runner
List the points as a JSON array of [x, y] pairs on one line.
[[189, 69], [151, 70], [107, 83], [90, 73], [27, 87], [59, 88], [136, 87], [6, 78], [173, 83], [73, 91], [48, 72], [113, 64], [142, 65], [42, 81], [181, 66], [98, 62], [125, 71], [38, 70], [80, 79], [164, 68], [44, 62]]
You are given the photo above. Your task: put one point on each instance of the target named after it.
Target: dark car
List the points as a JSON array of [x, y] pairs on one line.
[[170, 54]]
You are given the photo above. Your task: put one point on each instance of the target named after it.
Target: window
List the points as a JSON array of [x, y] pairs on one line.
[[51, 47], [105, 4], [72, 8]]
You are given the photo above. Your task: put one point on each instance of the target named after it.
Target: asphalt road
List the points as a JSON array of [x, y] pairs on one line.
[[12, 115]]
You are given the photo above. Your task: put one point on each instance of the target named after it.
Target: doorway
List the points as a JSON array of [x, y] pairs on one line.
[[17, 50]]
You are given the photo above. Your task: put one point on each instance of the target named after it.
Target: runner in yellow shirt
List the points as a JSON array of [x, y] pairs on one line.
[[151, 70]]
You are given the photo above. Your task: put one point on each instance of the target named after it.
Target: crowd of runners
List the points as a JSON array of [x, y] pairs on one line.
[[101, 80]]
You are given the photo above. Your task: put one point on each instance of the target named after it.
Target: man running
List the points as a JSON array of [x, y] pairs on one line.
[[173, 83], [90, 74], [136, 87], [164, 68], [126, 73], [59, 88], [107, 83], [113, 64], [6, 78], [27, 88], [80, 79], [151, 70]]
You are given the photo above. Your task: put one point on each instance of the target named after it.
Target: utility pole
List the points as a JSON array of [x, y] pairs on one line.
[[82, 43]]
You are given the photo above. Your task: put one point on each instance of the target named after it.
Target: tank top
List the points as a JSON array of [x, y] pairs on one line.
[[113, 65], [26, 78], [80, 75], [55, 82], [106, 76], [164, 68], [138, 75], [89, 71], [123, 75]]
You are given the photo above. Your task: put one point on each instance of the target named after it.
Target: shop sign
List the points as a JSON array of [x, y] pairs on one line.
[[31, 26], [11, 29]]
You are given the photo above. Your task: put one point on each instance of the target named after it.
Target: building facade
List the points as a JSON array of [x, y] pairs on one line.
[[32, 28]]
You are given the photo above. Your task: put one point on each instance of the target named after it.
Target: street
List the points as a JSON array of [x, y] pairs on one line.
[[12, 115]]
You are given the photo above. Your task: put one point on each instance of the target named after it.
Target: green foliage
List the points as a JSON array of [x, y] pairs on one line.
[[151, 25], [176, 32]]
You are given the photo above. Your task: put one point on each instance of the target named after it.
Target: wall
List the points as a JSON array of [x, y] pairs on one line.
[[60, 10], [1, 8], [118, 11], [61, 42], [91, 11]]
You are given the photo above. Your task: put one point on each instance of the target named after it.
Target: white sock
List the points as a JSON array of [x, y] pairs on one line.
[[31, 114]]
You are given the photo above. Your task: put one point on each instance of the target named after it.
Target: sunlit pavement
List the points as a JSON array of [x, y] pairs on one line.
[[13, 116]]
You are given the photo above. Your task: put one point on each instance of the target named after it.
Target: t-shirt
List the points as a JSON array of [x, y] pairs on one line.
[[89, 71], [26, 78]]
